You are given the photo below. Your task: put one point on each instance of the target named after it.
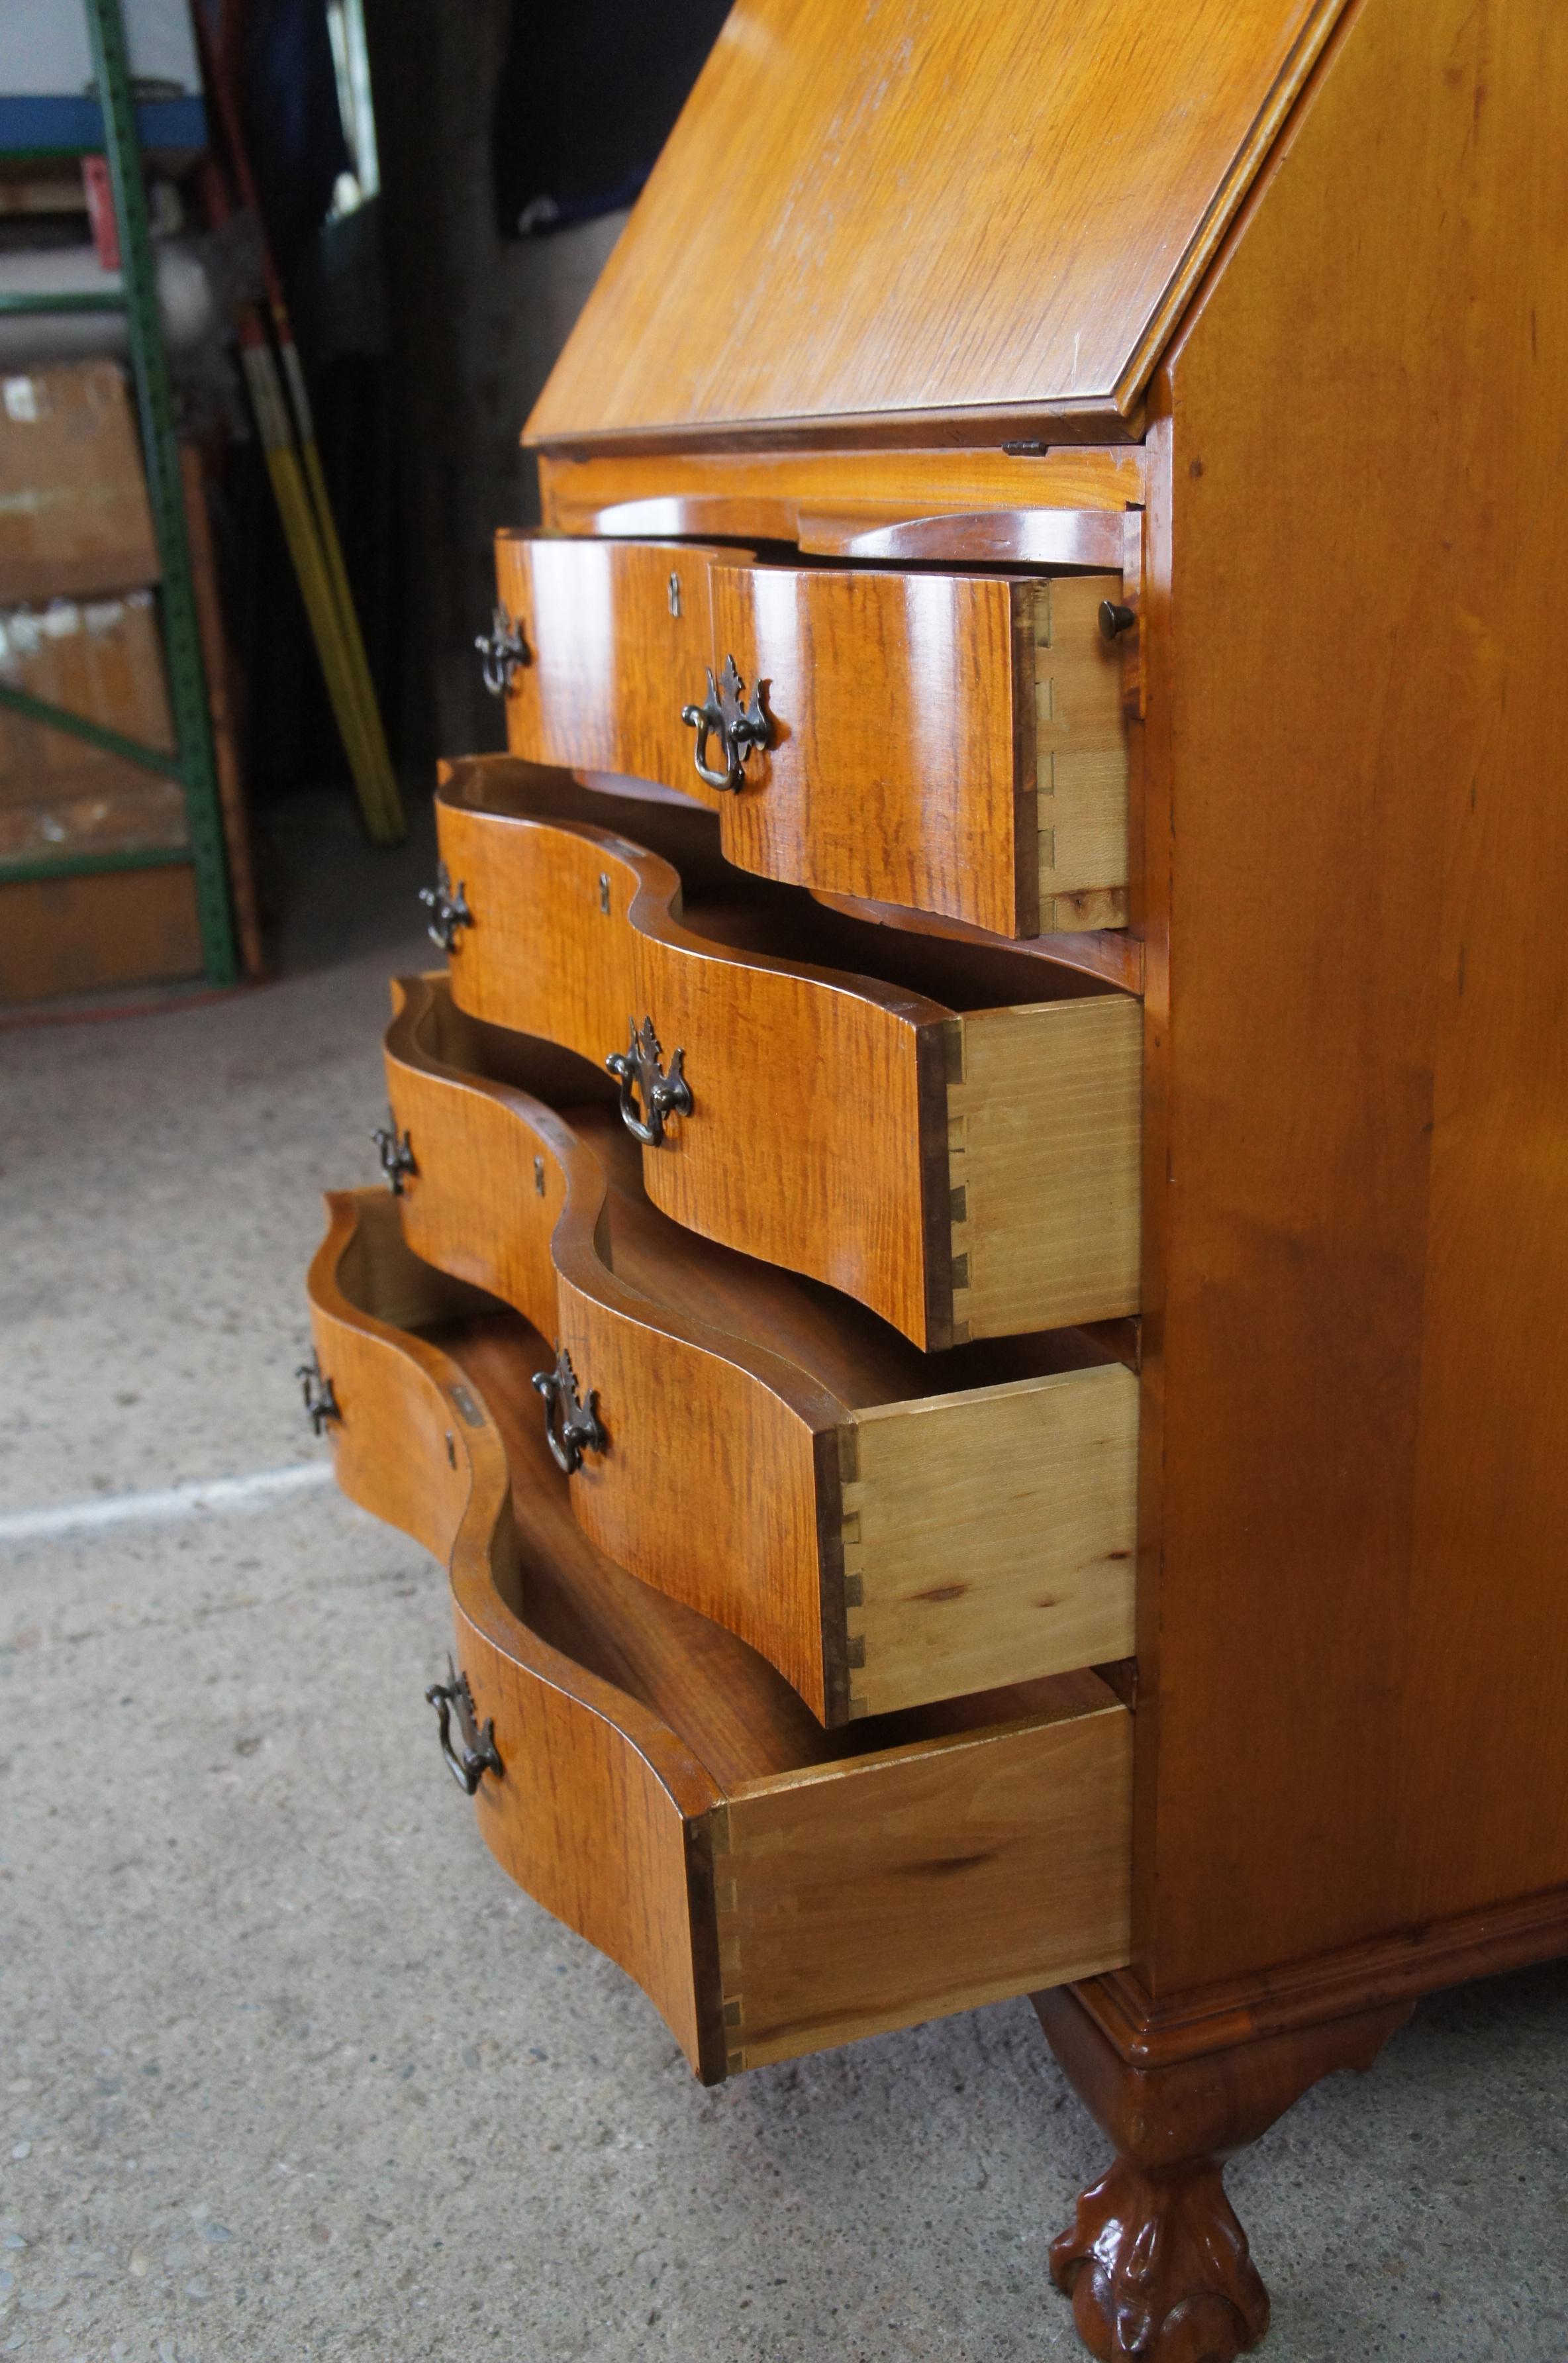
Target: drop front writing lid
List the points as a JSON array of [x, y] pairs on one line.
[[951, 218]]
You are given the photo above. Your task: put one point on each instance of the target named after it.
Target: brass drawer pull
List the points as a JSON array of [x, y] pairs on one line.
[[724, 715], [578, 1422], [448, 912], [475, 1753], [642, 1079], [321, 1404], [397, 1156], [503, 652]]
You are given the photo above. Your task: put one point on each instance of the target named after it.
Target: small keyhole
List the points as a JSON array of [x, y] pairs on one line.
[[604, 891], [540, 1176], [675, 595], [451, 1448]]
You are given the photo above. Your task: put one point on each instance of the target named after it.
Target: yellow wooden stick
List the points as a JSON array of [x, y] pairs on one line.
[[374, 736], [384, 821]]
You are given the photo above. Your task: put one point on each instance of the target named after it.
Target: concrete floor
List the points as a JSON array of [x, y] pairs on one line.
[[290, 2072]]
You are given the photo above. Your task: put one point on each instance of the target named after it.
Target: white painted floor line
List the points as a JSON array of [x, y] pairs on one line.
[[172, 1501]]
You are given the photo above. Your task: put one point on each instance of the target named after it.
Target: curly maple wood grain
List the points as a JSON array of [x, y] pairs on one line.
[[618, 634], [901, 763], [1061, 171], [754, 1461], [820, 1134], [629, 1727], [948, 742]]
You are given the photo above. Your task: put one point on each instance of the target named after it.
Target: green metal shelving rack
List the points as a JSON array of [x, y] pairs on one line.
[[191, 763]]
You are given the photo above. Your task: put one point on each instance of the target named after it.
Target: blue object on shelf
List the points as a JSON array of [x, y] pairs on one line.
[[45, 123]]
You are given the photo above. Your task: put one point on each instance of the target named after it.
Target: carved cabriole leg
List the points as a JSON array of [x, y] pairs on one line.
[[1156, 2264]]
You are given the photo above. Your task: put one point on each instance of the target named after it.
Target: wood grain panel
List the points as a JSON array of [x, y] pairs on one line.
[[548, 952], [728, 1394], [901, 764], [588, 1827], [490, 1178], [761, 496], [1101, 148], [624, 1721], [1359, 1595], [1020, 536], [619, 635], [870, 1897], [1044, 1147], [812, 1139], [991, 1534]]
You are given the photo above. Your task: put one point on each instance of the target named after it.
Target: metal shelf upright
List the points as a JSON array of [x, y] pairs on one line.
[[191, 763]]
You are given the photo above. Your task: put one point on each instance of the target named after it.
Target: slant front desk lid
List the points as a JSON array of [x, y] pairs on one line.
[[963, 213]]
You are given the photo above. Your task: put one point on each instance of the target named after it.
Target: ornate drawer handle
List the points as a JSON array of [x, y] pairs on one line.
[[474, 1754], [738, 727], [321, 1404], [448, 912], [638, 1070], [579, 1428], [503, 652], [397, 1156]]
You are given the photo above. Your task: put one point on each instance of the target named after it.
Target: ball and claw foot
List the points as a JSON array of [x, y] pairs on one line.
[[1156, 2264], [1157, 2268]]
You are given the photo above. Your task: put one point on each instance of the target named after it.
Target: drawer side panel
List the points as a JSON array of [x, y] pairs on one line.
[[1080, 740], [991, 1536], [922, 1881], [1045, 1146]]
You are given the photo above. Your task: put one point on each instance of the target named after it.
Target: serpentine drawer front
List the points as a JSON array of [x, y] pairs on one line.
[[966, 1165], [775, 1889], [952, 742], [886, 1528]]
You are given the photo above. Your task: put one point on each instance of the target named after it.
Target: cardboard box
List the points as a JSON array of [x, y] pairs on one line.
[[75, 517], [90, 935], [58, 796]]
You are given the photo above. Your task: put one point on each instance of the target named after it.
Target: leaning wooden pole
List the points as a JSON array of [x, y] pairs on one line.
[[281, 405]]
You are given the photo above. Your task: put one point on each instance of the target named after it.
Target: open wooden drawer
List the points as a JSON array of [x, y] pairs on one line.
[[948, 1133], [774, 1888], [886, 1528], [952, 742]]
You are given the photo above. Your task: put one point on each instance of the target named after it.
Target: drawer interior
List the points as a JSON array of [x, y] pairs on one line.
[[732, 908]]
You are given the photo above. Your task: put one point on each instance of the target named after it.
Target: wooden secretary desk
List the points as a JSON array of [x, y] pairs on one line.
[[974, 1282]]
